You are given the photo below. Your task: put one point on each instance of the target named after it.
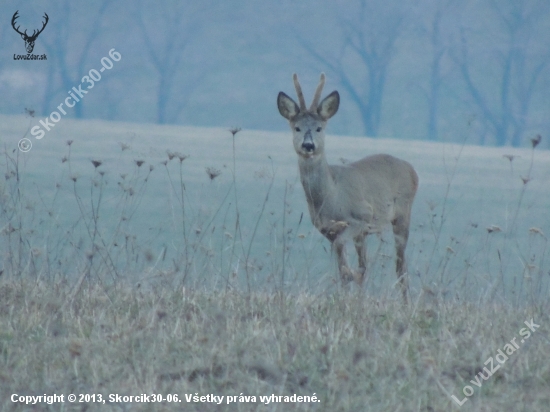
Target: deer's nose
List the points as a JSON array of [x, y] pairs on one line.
[[308, 144]]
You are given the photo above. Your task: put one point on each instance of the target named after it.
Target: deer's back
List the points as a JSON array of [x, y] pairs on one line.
[[380, 186], [389, 172]]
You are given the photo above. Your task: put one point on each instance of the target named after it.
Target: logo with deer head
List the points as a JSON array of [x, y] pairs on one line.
[[29, 40]]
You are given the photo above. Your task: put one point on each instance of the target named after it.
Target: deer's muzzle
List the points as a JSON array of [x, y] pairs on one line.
[[308, 144]]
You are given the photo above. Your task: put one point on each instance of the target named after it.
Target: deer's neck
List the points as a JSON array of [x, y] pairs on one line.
[[316, 179]]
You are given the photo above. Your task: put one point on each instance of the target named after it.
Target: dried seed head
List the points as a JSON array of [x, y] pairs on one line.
[[235, 130], [493, 228], [96, 163], [69, 142], [30, 112], [213, 172], [536, 140], [170, 154], [124, 146], [139, 162]]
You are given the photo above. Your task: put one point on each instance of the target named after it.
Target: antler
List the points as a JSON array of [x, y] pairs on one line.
[[299, 93], [318, 92], [43, 25], [15, 16], [34, 33]]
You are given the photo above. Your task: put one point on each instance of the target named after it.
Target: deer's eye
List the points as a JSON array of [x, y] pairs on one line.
[[318, 129], [297, 129]]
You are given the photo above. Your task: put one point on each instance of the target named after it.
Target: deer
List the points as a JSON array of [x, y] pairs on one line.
[[353, 200], [29, 40]]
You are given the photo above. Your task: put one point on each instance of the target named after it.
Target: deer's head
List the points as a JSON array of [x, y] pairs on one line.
[[308, 125], [29, 40]]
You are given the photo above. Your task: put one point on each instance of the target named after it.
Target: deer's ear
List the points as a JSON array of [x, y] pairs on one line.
[[287, 107], [329, 106]]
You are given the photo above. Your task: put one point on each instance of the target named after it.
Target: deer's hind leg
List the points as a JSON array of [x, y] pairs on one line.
[[401, 234], [361, 249]]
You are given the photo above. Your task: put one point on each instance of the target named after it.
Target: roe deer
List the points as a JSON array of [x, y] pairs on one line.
[[353, 200]]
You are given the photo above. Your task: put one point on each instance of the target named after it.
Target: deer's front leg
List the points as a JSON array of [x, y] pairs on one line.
[[333, 229], [346, 274]]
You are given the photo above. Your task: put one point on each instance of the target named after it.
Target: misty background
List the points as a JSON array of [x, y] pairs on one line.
[[441, 70]]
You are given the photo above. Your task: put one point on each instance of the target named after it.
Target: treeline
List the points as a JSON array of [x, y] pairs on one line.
[[444, 70]]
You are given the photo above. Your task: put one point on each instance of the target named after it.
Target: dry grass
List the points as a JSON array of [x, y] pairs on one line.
[[354, 352], [97, 245]]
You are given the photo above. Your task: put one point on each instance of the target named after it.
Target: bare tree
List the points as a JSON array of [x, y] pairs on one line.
[[169, 29], [518, 55], [69, 44], [3, 42], [434, 16], [368, 32]]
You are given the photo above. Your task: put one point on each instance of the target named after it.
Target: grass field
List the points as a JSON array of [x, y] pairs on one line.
[[354, 353], [178, 260]]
